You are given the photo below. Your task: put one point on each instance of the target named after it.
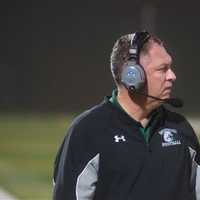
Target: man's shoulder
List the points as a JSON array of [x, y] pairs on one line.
[[93, 118], [179, 121], [174, 117]]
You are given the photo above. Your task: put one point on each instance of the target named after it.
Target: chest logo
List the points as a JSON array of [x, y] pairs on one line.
[[169, 137], [120, 138]]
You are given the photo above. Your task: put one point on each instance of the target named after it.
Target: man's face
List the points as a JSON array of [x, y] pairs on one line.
[[160, 77]]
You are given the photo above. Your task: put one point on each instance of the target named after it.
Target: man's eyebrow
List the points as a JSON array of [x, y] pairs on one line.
[[166, 64]]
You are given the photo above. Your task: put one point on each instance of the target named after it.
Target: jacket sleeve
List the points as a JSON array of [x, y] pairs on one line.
[[194, 149], [193, 141], [76, 167]]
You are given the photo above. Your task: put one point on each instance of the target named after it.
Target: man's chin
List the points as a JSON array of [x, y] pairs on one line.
[[166, 96]]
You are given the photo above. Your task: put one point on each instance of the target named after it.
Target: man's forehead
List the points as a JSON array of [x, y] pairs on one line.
[[159, 52]]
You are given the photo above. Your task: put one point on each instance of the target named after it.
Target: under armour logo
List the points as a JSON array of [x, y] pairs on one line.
[[119, 138]]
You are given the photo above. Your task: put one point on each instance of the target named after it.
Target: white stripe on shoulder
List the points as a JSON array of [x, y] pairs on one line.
[[86, 181], [195, 173]]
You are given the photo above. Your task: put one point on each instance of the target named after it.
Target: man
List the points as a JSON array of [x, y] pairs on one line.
[[130, 146]]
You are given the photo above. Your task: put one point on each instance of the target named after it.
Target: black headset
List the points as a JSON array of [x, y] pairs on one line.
[[133, 75]]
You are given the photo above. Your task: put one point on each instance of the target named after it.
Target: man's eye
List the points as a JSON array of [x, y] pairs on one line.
[[165, 68], [162, 69]]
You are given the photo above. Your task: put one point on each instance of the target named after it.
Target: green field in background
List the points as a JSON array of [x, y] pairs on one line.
[[28, 145]]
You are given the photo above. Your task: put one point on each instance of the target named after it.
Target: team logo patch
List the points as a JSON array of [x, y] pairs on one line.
[[169, 137]]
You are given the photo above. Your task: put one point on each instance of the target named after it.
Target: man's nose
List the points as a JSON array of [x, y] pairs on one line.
[[171, 75]]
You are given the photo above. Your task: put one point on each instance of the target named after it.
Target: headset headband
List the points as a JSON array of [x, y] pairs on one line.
[[137, 42]]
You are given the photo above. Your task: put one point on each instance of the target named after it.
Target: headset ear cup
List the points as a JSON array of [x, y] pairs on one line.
[[133, 75]]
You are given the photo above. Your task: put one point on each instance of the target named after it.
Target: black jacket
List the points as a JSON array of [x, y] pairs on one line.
[[105, 157]]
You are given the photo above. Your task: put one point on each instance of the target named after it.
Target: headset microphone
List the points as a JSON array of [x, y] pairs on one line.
[[175, 102]]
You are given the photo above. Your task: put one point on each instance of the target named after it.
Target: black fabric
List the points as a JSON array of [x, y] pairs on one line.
[[129, 169]]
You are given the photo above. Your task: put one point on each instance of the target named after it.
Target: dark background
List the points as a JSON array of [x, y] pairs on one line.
[[54, 55]]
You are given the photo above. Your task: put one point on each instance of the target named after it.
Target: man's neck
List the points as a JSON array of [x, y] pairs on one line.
[[139, 112]]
